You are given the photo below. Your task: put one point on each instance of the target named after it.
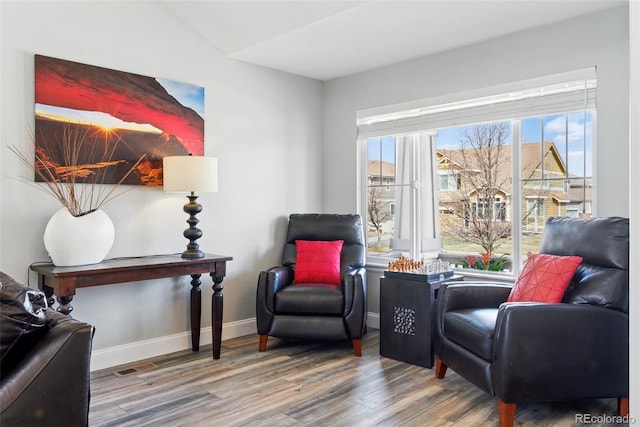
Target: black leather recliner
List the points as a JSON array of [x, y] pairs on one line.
[[44, 373], [316, 311], [520, 352]]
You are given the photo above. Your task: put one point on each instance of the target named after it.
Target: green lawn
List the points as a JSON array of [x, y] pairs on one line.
[[530, 243]]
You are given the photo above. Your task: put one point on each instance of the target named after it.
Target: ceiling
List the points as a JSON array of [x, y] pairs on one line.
[[325, 39]]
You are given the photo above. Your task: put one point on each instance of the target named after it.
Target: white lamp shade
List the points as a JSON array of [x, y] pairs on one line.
[[184, 174]]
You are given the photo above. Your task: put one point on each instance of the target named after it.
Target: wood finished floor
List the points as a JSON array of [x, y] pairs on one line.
[[304, 384]]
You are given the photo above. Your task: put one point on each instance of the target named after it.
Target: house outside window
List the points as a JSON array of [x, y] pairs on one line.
[[489, 185]]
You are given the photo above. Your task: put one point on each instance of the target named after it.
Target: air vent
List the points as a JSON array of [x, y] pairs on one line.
[[135, 369]]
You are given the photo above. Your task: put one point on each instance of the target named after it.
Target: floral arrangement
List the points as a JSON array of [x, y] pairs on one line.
[[485, 262], [73, 178]]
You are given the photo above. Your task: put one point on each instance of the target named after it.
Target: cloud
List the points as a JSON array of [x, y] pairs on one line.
[[577, 162], [557, 127]]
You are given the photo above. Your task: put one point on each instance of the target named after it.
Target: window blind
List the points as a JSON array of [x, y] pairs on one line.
[[529, 100]]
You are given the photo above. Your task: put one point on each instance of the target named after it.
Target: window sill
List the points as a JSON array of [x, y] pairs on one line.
[[468, 273], [376, 267]]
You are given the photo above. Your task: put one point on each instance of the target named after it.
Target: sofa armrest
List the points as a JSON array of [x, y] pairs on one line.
[[50, 385], [472, 295], [354, 285], [269, 282], [550, 351]]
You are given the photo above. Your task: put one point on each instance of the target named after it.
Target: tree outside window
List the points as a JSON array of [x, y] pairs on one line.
[[476, 219]]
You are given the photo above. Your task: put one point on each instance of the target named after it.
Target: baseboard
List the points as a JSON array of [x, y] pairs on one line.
[[373, 320], [140, 350]]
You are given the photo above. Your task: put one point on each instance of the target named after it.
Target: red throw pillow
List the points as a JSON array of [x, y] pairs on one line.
[[544, 278], [318, 261]]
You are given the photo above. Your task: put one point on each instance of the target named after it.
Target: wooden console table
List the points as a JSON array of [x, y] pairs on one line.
[[63, 282]]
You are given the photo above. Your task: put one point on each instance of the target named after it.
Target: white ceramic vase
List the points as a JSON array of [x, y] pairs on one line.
[[80, 240]]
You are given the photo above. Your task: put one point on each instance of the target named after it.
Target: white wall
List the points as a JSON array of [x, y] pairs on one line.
[[600, 39], [264, 126]]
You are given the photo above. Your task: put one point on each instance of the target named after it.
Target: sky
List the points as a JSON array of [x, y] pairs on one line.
[[187, 94]]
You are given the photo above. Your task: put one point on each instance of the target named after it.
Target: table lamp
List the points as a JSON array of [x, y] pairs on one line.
[[191, 174]]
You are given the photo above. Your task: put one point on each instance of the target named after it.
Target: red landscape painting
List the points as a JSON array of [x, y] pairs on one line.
[[113, 119]]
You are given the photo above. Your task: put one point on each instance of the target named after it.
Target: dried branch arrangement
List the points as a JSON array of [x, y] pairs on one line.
[[75, 178]]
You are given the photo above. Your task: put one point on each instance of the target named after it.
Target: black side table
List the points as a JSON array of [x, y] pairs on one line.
[[407, 316]]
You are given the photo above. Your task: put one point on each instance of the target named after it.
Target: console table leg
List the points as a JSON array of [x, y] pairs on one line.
[[216, 315], [64, 305], [196, 316]]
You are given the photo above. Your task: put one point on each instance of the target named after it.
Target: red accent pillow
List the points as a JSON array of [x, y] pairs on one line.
[[318, 261], [544, 278]]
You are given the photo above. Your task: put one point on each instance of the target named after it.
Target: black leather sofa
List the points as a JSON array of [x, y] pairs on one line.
[[44, 369], [529, 351], [316, 311]]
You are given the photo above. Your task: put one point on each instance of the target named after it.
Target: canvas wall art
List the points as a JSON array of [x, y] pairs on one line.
[[110, 119]]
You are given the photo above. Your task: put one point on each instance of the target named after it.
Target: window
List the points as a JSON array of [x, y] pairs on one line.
[[395, 166], [381, 172], [475, 219], [484, 211], [535, 207], [488, 183], [556, 179], [448, 181]]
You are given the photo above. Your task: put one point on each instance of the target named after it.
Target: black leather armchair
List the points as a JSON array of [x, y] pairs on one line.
[[317, 310], [576, 349], [45, 362]]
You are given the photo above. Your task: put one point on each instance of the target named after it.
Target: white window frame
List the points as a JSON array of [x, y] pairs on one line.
[[515, 101], [413, 247]]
